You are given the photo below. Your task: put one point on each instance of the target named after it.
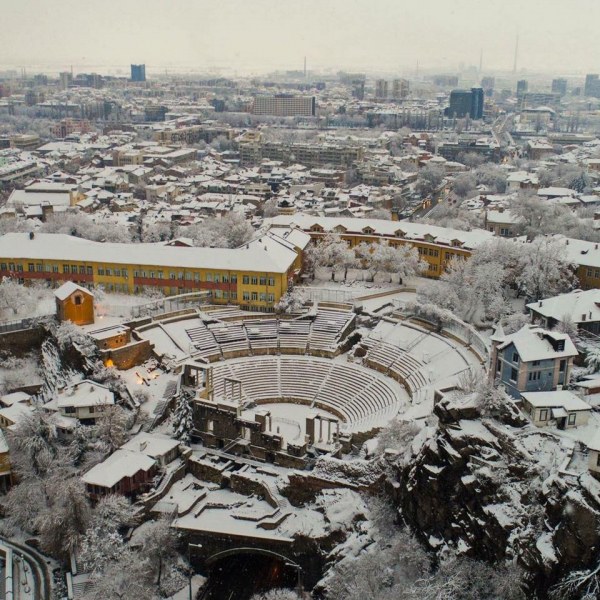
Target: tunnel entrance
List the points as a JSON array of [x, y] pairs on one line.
[[237, 575]]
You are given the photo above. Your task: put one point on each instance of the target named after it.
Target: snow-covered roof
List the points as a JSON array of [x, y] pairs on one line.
[[120, 464], [559, 399], [535, 343], [415, 231], [15, 398], [578, 306], [48, 246], [154, 445], [85, 393], [580, 252], [68, 288]]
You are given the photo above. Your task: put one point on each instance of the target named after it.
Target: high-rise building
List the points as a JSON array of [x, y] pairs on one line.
[[466, 102], [400, 89], [559, 86], [66, 78], [522, 87], [285, 105], [476, 103], [138, 72], [381, 88], [592, 86]]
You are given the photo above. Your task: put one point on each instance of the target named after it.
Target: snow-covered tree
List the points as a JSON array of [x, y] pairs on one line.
[[112, 426], [429, 180], [270, 208], [183, 418], [230, 231], [15, 299], [159, 546], [543, 269], [291, 302]]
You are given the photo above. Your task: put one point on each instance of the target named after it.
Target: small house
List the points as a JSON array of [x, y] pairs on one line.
[[74, 303], [124, 472], [560, 407]]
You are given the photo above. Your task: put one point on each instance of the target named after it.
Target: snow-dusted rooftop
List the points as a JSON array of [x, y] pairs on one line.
[[151, 444], [68, 288], [559, 398], [534, 343], [120, 464], [85, 393], [578, 306], [402, 229], [47, 246]]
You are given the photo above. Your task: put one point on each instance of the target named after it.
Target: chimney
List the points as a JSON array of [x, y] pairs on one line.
[[31, 235]]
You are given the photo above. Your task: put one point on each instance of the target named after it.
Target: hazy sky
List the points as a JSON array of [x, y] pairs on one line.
[[559, 36]]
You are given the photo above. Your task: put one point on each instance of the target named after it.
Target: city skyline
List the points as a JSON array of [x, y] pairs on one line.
[[263, 35]]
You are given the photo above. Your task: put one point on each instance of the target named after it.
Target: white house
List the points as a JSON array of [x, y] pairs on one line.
[[561, 407], [85, 401]]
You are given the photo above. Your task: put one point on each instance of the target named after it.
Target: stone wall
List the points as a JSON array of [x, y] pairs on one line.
[[22, 341], [128, 356]]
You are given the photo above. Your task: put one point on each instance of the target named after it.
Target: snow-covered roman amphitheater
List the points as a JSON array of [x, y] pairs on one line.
[[356, 372]]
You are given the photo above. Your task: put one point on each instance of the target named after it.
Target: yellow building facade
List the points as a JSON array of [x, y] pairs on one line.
[[437, 246], [254, 276]]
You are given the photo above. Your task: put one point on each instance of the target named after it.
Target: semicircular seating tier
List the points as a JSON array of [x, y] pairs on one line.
[[361, 398]]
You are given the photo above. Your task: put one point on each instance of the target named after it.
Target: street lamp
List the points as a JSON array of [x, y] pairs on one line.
[[191, 570]]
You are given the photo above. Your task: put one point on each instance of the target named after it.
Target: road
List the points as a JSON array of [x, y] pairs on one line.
[[36, 577]]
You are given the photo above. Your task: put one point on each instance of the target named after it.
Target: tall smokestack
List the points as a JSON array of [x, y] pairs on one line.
[[305, 67], [516, 54]]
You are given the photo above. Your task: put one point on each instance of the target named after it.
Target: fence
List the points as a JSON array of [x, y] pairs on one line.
[[17, 324], [170, 304], [315, 294]]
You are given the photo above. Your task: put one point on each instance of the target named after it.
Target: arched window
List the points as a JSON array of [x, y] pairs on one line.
[[78, 299]]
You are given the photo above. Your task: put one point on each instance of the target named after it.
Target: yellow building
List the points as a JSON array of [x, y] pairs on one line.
[[436, 245], [585, 257], [74, 303], [254, 276]]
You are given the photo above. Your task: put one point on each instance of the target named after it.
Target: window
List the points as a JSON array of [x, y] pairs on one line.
[[246, 295], [589, 272], [233, 295], [515, 357], [100, 270], [254, 280], [535, 363], [535, 376], [19, 268], [544, 414], [233, 279], [31, 267], [218, 294], [209, 277], [11, 266], [270, 297], [65, 268], [3, 267], [172, 275], [159, 274], [225, 279], [562, 366], [39, 267], [246, 279], [89, 270], [91, 409], [217, 278], [188, 276], [70, 409], [254, 296], [78, 300], [596, 273], [109, 272], [196, 277], [513, 375], [263, 281], [263, 297], [271, 281], [55, 268], [117, 272], [572, 417]]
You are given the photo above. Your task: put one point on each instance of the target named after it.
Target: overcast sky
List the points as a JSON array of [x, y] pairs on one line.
[[559, 36]]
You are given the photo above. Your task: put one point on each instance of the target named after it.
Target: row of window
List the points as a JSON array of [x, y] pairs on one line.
[[110, 272], [595, 273]]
